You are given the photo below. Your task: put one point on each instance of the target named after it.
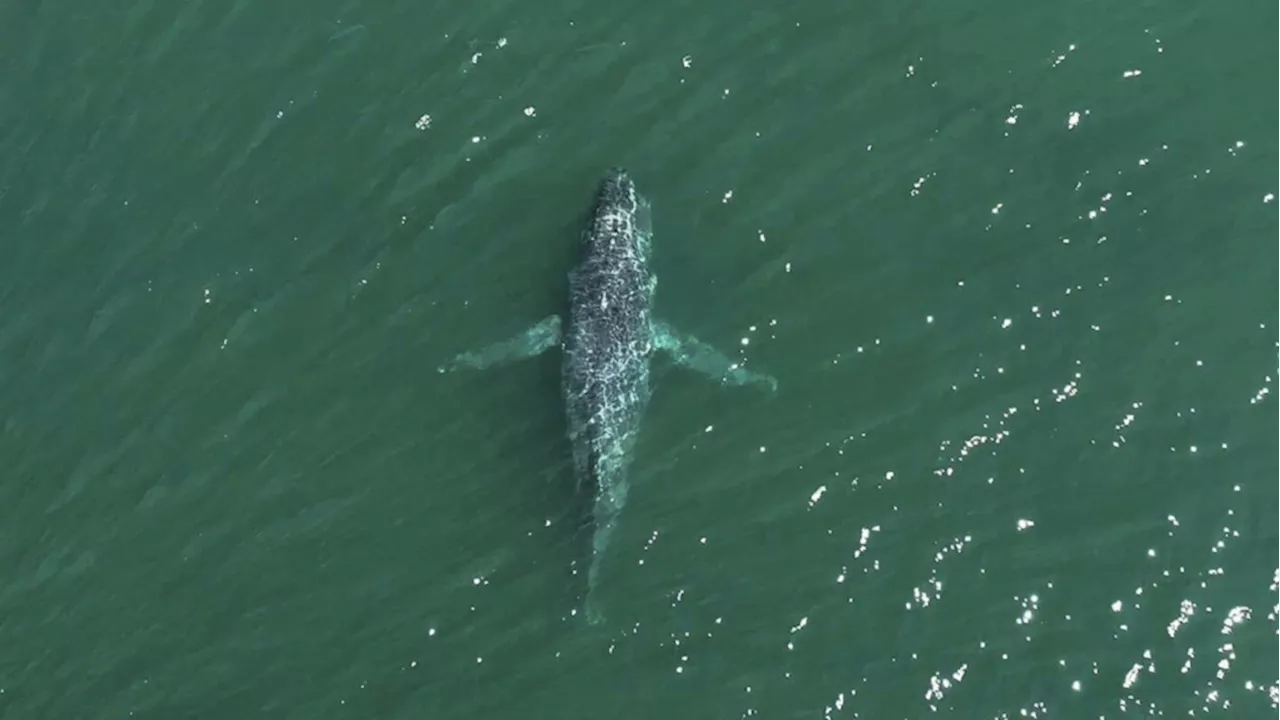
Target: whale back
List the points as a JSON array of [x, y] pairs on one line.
[[608, 340]]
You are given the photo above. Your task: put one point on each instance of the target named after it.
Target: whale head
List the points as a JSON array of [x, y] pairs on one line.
[[617, 189], [621, 217]]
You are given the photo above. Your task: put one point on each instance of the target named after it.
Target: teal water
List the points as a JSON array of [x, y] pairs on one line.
[[1014, 266]]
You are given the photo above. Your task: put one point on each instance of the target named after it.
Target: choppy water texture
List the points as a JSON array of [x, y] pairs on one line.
[[1013, 264]]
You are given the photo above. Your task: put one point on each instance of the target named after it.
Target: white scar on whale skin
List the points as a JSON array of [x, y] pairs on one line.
[[608, 341]]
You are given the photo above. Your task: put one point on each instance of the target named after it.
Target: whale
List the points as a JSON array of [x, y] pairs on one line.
[[608, 340]]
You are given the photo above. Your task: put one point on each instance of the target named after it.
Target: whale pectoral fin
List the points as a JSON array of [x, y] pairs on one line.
[[692, 353], [529, 343]]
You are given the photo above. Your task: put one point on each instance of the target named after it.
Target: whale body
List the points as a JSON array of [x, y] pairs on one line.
[[608, 340]]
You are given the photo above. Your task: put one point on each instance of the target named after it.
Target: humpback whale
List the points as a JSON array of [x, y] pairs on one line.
[[607, 342]]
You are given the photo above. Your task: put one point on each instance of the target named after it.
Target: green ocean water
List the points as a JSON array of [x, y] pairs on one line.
[[1014, 266]]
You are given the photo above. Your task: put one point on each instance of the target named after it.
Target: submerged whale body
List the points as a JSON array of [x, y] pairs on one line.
[[608, 341]]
